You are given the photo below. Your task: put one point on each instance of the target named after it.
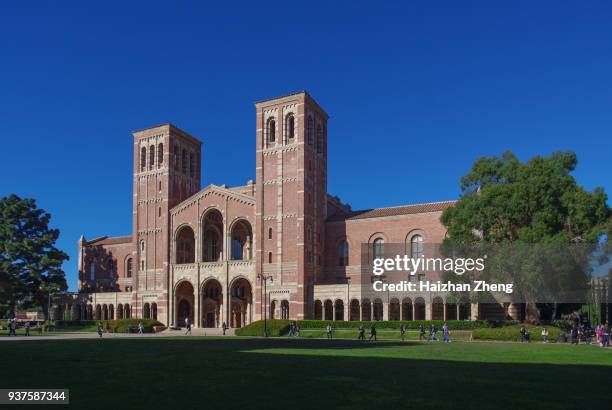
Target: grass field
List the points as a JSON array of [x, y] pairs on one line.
[[221, 373]]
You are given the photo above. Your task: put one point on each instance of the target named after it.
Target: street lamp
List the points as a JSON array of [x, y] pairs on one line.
[[264, 279]]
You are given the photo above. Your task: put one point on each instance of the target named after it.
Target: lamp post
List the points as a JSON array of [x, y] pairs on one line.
[[348, 297], [264, 279]]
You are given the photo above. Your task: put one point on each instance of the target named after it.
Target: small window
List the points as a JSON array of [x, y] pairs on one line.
[[142, 246], [191, 165], [142, 265], [379, 248], [129, 268], [290, 127], [159, 212], [344, 253], [160, 155], [159, 186], [269, 233], [184, 161], [269, 257], [151, 156], [271, 132], [143, 159]]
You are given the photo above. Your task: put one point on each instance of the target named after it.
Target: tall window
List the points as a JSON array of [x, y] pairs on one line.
[[151, 156], [416, 246], [160, 154], [310, 131], [191, 165], [129, 268], [269, 257], [212, 250], [290, 127], [143, 159], [344, 253], [379, 248], [319, 139], [269, 233], [271, 132], [184, 161]]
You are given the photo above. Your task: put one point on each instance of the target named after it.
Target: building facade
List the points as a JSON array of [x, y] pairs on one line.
[[279, 246]]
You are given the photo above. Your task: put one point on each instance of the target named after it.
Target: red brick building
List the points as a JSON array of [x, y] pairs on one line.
[[204, 253]]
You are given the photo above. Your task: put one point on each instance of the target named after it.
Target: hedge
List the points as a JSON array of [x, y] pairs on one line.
[[512, 333], [275, 328]]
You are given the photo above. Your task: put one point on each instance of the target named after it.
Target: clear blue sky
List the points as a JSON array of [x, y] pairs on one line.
[[416, 92]]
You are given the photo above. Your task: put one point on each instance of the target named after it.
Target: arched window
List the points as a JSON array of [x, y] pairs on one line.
[[416, 246], [143, 159], [271, 129], [269, 257], [319, 139], [160, 154], [151, 156], [129, 268], [379, 248], [269, 233], [310, 131], [289, 127], [184, 161], [191, 165], [344, 253]]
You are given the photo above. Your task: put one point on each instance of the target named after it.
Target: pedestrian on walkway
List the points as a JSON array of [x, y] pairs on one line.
[[27, 328], [100, 329], [445, 333], [329, 331], [373, 333], [361, 332], [224, 328], [140, 328], [187, 326], [402, 331], [421, 332]]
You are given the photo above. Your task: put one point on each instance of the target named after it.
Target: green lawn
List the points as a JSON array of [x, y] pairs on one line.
[[221, 373]]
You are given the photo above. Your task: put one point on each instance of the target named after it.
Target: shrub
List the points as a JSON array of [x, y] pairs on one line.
[[408, 324], [116, 326], [512, 333]]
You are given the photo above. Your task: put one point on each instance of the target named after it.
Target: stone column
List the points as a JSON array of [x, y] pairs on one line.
[[412, 310], [458, 310], [385, 310], [445, 306], [428, 311], [474, 311]]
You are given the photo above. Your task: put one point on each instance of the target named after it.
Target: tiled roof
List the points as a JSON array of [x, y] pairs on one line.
[[393, 211], [105, 240]]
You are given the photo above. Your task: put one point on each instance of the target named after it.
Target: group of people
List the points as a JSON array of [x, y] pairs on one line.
[[12, 327], [294, 329], [584, 333], [602, 332], [433, 333]]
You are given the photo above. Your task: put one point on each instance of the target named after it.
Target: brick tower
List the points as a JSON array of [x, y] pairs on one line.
[[291, 199], [166, 172]]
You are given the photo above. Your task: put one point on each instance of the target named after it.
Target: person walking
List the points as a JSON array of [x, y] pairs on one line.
[[402, 331], [445, 333], [12, 326], [224, 327], [27, 328], [187, 326], [100, 329], [606, 335], [361, 332], [433, 333], [545, 335], [140, 328], [372, 333], [421, 332], [329, 330], [291, 327], [297, 330]]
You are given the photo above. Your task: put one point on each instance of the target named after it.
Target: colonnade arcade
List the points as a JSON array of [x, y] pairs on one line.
[[395, 309]]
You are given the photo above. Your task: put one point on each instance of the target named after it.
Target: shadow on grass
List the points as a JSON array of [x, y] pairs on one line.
[[225, 373]]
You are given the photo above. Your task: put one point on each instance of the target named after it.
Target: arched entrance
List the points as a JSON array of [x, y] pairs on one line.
[[407, 309], [241, 303], [329, 310], [184, 303], [339, 309], [285, 309], [366, 310], [212, 303], [437, 309], [378, 310], [394, 309], [146, 311], [419, 309], [354, 310], [318, 310]]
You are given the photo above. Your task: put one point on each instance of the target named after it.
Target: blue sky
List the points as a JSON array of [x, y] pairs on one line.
[[416, 91]]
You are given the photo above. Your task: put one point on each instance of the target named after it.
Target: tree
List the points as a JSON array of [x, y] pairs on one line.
[[505, 201], [30, 264]]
